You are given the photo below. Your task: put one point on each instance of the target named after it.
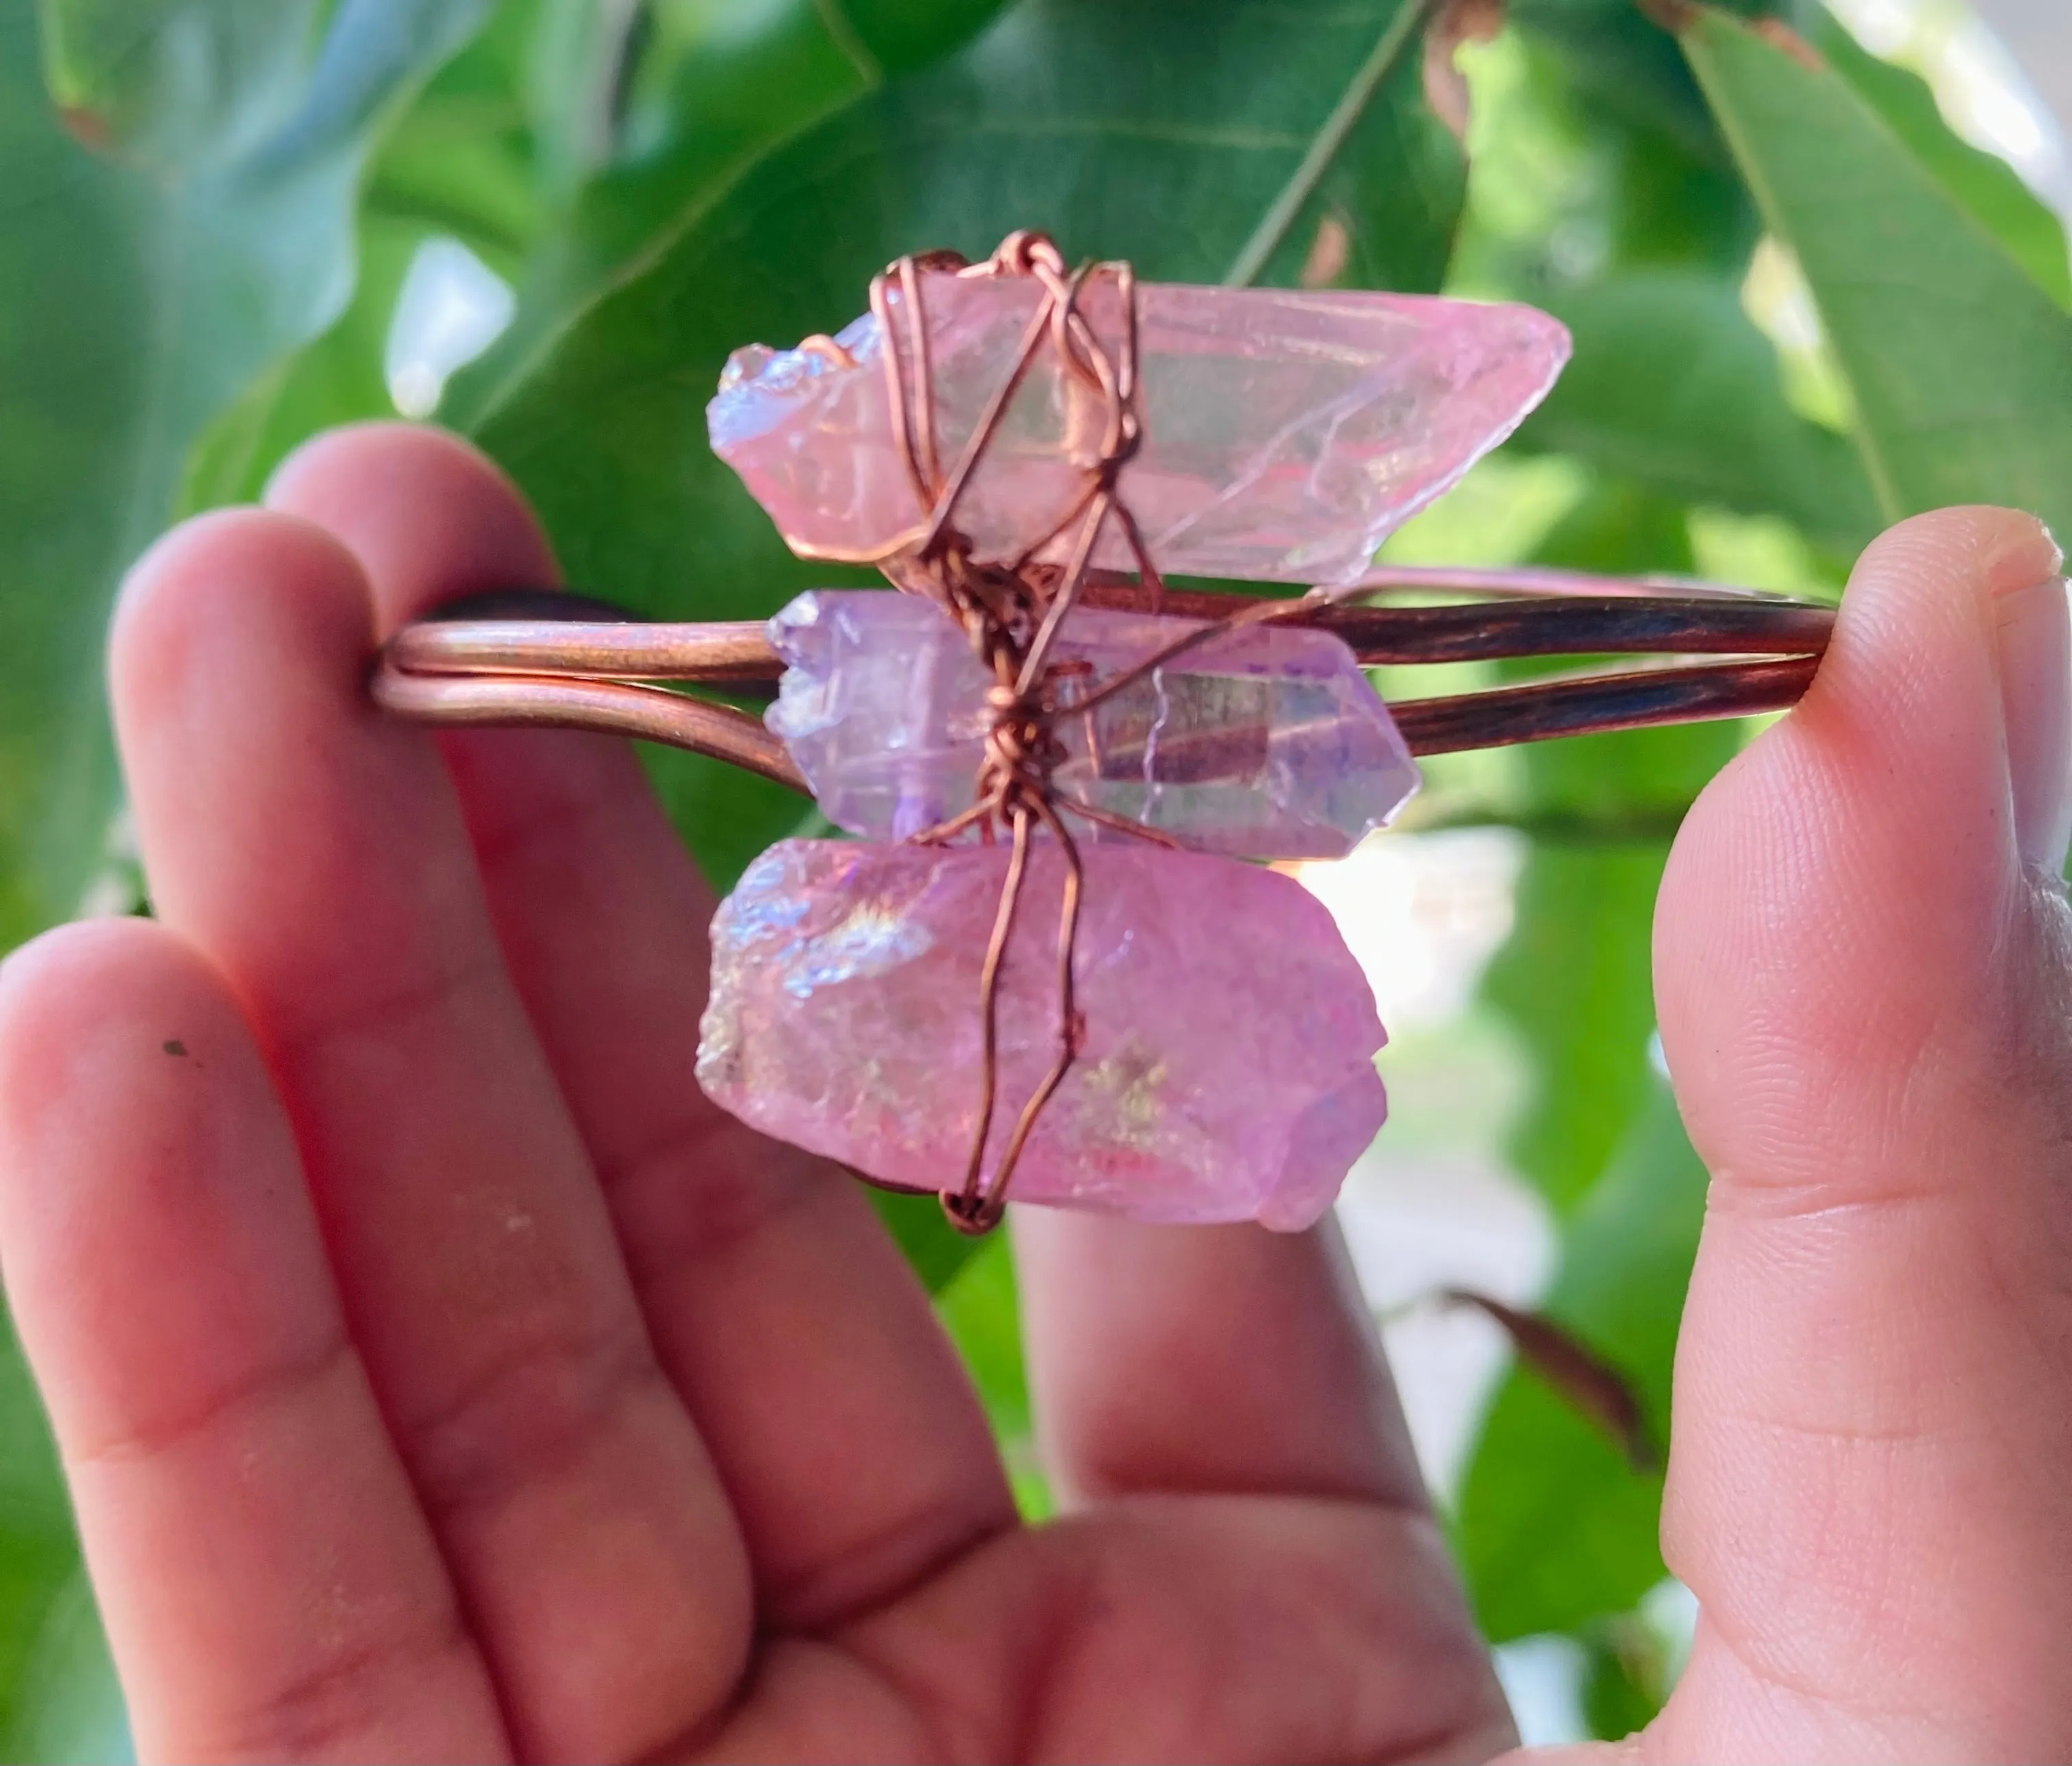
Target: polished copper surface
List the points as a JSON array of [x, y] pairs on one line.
[[591, 674]]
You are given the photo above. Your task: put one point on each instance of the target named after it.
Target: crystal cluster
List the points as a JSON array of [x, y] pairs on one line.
[[1225, 1065], [1227, 1069], [1266, 742], [1286, 432]]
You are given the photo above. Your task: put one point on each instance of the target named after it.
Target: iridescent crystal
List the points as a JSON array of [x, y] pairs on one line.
[[1227, 1069], [1266, 742], [1286, 432]]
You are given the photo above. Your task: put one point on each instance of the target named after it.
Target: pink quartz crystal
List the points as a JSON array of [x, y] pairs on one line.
[[1286, 432], [1266, 741], [1227, 1071]]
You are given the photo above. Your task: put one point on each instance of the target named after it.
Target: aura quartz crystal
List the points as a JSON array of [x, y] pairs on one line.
[[1266, 742], [1286, 432], [1225, 1036], [1227, 1069]]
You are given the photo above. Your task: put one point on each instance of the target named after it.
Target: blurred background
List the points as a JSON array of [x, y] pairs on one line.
[[1800, 247]]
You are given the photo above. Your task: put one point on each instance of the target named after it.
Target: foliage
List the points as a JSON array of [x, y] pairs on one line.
[[1959, 369], [1554, 1529], [210, 206]]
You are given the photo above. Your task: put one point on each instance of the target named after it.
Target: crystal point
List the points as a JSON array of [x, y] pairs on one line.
[[1266, 742], [1286, 432], [1227, 1072]]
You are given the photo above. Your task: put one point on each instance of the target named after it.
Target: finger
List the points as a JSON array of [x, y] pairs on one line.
[[855, 1452], [1862, 977], [270, 1588], [1212, 1359], [312, 849]]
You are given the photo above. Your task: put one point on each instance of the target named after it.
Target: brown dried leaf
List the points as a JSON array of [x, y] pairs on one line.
[[1671, 14], [1578, 1373], [88, 128], [1456, 22], [1330, 251], [1780, 36]]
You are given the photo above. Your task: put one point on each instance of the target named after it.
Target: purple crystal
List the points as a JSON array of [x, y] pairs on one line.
[[1286, 433], [1227, 1070], [1266, 743]]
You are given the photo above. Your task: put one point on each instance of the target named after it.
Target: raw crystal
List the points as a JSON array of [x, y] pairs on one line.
[[1227, 1072], [1266, 741], [1286, 432]]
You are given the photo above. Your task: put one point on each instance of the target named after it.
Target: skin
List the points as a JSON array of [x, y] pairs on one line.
[[438, 1376]]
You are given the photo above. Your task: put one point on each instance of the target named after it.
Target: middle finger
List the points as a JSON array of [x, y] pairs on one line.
[[855, 1451]]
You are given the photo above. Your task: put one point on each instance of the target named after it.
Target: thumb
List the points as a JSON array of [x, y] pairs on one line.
[[1862, 954]]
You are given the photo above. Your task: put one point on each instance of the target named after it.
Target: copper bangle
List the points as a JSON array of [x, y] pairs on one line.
[[545, 658]]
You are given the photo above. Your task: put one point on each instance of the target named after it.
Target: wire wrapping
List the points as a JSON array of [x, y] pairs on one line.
[[1012, 614]]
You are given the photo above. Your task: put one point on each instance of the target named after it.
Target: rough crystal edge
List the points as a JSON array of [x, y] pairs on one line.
[[1350, 1115], [782, 368], [796, 627]]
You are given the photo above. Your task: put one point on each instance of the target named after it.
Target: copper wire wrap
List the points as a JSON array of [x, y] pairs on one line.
[[1011, 613], [541, 657]]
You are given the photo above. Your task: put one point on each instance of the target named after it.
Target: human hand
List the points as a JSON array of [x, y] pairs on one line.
[[439, 1376]]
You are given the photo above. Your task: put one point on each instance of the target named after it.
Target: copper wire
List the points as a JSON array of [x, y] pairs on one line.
[[1012, 617], [530, 633]]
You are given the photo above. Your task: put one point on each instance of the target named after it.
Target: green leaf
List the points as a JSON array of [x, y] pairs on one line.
[[1609, 56], [337, 378], [1554, 1527], [1160, 131], [982, 1310], [175, 84], [465, 158], [1627, 1676], [1568, 189], [1984, 184], [736, 813], [1673, 388], [1329, 169], [1636, 172], [135, 305], [937, 1250], [58, 1696], [715, 85], [1959, 365], [1574, 977], [1615, 61], [462, 160]]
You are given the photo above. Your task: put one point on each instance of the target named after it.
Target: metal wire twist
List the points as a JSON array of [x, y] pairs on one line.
[[1012, 614]]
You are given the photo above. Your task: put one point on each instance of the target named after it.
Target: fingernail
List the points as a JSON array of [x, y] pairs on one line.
[[2033, 621]]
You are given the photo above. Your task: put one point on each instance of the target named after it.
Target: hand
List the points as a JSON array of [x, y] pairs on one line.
[[439, 1377]]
